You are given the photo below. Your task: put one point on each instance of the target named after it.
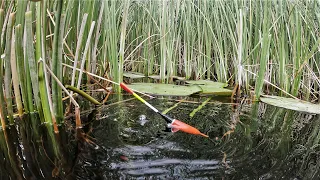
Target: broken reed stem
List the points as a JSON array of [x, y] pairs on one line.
[[15, 77], [83, 94], [77, 107]]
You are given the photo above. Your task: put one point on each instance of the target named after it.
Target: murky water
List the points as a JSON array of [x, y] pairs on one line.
[[128, 141], [258, 142]]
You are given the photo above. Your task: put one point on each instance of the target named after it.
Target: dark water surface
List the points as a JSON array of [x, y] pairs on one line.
[[127, 141], [267, 143]]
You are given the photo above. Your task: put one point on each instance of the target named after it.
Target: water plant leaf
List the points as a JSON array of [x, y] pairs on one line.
[[206, 82], [165, 89], [289, 103], [213, 88], [133, 75]]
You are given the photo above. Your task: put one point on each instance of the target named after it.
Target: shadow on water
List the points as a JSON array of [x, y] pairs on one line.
[[128, 141]]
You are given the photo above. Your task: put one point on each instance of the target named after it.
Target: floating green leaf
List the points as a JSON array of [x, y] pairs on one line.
[[207, 89], [209, 83], [210, 87], [214, 88], [165, 89], [293, 104]]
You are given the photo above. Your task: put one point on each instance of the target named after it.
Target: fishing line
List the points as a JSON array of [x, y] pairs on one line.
[[174, 124]]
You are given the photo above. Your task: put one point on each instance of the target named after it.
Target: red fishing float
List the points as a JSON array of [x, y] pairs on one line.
[[174, 124]]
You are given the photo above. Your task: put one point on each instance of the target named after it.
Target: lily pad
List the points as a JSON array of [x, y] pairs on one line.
[[165, 89], [210, 87], [206, 82], [213, 90], [157, 77], [133, 75], [293, 104]]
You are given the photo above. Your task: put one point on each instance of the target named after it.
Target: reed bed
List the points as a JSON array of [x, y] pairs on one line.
[[45, 46], [252, 44]]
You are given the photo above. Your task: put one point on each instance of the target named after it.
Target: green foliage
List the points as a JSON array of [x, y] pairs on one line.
[[290, 103], [250, 43]]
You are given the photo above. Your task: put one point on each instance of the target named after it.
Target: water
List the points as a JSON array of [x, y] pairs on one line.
[[128, 141]]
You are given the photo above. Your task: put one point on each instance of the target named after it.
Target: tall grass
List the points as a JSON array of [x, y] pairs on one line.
[[248, 43], [265, 49]]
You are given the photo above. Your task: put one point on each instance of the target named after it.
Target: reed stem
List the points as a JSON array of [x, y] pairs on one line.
[[56, 63], [41, 74], [7, 75]]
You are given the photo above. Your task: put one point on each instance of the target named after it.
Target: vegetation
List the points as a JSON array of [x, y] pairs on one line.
[[268, 46], [248, 43]]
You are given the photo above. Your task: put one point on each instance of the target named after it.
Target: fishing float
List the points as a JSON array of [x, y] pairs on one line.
[[174, 124]]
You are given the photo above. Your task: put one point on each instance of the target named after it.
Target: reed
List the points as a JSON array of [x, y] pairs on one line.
[[7, 75], [19, 26], [227, 41], [268, 46], [3, 113], [57, 62], [122, 41], [40, 53], [264, 58], [31, 68], [15, 78]]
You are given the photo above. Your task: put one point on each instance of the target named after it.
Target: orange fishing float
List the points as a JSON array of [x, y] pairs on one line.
[[174, 124]]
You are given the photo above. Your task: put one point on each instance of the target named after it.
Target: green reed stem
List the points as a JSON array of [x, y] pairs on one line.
[[163, 48], [122, 42], [21, 9], [31, 67], [41, 74], [264, 50], [297, 54], [3, 112], [20, 20], [20, 65], [7, 76], [111, 37], [57, 63]]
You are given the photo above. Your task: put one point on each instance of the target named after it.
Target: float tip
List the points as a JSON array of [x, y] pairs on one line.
[[204, 135]]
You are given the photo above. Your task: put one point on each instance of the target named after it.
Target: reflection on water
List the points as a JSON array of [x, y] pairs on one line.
[[129, 142]]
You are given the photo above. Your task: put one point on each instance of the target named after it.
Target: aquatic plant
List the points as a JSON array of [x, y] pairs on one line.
[[268, 46]]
